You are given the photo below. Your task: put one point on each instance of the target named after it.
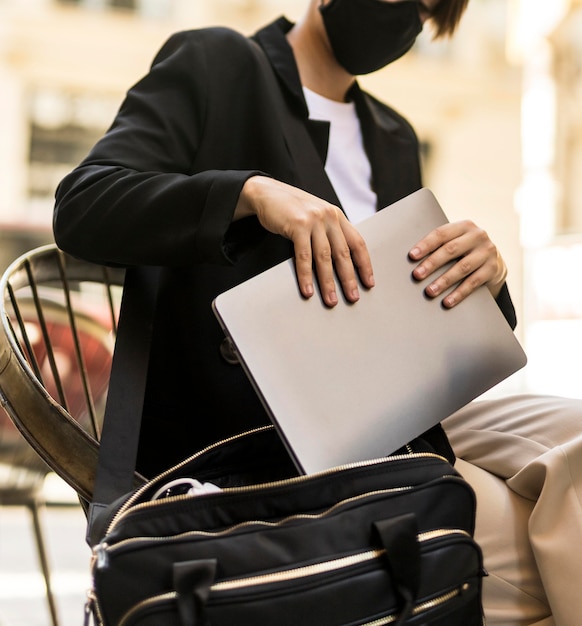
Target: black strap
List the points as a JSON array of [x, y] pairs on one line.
[[192, 581], [127, 382], [399, 538]]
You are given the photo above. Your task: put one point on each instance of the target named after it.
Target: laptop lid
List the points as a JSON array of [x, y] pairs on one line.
[[358, 381]]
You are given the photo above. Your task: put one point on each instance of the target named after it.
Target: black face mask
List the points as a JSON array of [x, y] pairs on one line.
[[366, 35]]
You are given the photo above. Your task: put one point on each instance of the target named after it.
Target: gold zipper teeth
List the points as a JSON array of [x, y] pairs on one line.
[[297, 573], [305, 516], [249, 523], [429, 535], [423, 606], [431, 604], [313, 570], [128, 503], [383, 621], [321, 568], [140, 606], [232, 490]]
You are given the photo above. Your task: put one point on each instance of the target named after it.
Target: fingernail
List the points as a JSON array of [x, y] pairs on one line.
[[355, 295], [308, 290], [371, 280], [333, 297], [415, 252], [420, 272]]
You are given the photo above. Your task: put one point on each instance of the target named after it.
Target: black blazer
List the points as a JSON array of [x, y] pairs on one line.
[[160, 189]]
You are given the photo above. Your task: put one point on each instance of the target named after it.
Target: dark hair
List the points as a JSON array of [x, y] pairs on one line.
[[446, 17]]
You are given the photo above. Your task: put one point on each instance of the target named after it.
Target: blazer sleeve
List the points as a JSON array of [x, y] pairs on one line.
[[505, 303], [136, 198]]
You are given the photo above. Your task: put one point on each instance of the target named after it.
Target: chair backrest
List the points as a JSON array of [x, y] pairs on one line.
[[58, 325], [22, 471]]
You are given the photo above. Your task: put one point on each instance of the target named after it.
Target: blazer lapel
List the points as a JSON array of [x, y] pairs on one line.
[[392, 149]]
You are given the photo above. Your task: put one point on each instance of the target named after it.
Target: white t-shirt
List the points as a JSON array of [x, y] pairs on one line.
[[347, 164]]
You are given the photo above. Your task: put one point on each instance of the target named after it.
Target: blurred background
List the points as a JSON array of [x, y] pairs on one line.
[[498, 110]]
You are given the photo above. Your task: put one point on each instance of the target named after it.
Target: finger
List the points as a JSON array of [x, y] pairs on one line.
[[360, 256], [481, 256], [323, 262], [457, 248], [464, 267], [464, 277], [434, 240], [464, 289], [304, 266], [344, 267], [456, 238], [444, 254]]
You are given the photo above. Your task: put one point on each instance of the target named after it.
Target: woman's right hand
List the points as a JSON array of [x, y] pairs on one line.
[[323, 238]]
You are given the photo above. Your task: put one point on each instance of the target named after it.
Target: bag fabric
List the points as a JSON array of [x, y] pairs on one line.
[[388, 541]]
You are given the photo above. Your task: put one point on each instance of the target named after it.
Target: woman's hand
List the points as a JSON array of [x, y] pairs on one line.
[[478, 261], [322, 236]]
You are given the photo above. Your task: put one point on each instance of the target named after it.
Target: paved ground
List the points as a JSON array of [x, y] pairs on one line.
[[22, 592]]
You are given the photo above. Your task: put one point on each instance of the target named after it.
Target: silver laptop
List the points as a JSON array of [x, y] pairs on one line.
[[359, 381]]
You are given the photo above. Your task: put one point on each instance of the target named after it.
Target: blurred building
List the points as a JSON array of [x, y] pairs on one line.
[[545, 40], [497, 111]]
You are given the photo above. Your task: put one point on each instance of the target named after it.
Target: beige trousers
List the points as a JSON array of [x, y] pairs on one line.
[[531, 533]]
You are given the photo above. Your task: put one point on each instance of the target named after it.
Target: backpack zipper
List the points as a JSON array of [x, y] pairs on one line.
[[129, 503], [101, 551]]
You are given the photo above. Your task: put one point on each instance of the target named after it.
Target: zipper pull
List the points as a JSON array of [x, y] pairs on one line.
[[90, 609], [100, 558]]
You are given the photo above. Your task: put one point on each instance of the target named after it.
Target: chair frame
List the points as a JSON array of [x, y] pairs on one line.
[[45, 287], [57, 437]]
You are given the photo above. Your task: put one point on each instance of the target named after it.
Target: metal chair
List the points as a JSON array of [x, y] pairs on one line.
[[22, 475], [58, 325]]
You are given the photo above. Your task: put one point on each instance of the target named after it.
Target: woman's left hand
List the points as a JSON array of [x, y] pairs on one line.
[[478, 261]]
